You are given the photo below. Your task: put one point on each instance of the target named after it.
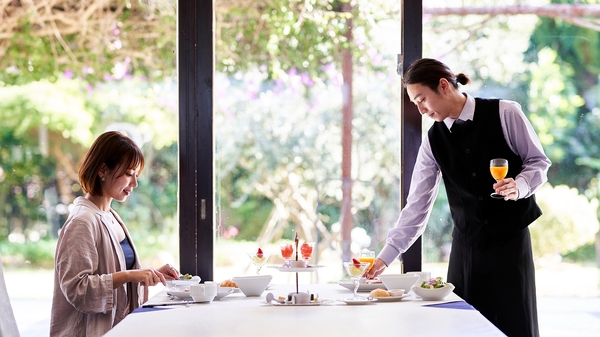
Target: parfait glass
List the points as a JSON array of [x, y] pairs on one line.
[[356, 271], [306, 250], [258, 261], [287, 250]]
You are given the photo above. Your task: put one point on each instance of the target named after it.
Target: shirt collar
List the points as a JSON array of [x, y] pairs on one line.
[[466, 114]]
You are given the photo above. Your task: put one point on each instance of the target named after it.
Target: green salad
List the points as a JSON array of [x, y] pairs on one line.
[[433, 283]]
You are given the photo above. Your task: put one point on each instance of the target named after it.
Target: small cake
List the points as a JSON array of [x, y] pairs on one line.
[[379, 292]]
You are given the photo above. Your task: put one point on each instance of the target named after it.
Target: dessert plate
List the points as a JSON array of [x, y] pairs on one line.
[[296, 270], [365, 301], [391, 298]]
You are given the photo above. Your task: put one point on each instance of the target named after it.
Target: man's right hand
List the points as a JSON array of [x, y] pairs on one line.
[[377, 268]]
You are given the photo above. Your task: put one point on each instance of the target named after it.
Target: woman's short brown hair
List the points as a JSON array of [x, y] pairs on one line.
[[116, 151], [428, 72]]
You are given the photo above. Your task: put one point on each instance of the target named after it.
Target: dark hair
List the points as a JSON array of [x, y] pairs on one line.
[[116, 151], [428, 72]]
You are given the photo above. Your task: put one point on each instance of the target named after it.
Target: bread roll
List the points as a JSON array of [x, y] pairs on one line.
[[379, 292], [229, 283]]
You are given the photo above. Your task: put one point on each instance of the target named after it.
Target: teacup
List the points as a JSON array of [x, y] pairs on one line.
[[204, 292], [300, 298]]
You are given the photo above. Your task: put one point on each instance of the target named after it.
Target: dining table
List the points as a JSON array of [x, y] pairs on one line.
[[238, 315]]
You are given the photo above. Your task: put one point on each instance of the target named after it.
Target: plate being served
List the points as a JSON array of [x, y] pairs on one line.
[[362, 287], [391, 298]]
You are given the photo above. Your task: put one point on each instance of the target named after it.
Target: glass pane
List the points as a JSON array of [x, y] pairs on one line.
[[279, 149]]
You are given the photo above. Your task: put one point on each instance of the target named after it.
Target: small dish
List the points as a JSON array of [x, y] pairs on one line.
[[436, 294], [223, 291]]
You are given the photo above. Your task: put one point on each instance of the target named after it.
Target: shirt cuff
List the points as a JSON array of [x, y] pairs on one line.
[[523, 188], [388, 254]]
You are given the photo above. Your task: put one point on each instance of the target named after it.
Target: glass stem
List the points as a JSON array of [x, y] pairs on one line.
[[355, 287]]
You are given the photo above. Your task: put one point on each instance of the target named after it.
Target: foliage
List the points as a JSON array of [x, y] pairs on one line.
[[278, 36], [569, 221], [93, 40]]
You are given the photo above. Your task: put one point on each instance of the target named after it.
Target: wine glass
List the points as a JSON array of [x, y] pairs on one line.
[[259, 260], [356, 270], [287, 250], [498, 169], [306, 250]]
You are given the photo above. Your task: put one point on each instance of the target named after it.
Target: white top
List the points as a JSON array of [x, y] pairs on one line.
[[237, 315], [424, 185]]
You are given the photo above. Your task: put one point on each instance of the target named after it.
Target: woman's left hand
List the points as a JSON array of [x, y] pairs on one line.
[[169, 272], [508, 188]]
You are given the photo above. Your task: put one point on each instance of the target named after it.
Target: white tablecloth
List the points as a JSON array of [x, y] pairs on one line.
[[237, 315]]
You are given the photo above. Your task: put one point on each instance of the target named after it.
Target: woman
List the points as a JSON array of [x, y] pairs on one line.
[[97, 277], [491, 262]]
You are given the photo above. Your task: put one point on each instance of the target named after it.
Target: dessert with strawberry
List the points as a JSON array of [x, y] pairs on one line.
[[357, 268], [259, 257]]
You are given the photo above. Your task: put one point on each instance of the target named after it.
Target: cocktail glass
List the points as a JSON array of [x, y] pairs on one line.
[[367, 256], [356, 271], [306, 250], [287, 250], [258, 261]]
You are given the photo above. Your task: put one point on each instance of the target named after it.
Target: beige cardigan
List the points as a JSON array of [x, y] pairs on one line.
[[87, 253]]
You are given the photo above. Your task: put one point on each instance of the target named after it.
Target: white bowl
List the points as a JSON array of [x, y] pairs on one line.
[[252, 285], [399, 281], [436, 294]]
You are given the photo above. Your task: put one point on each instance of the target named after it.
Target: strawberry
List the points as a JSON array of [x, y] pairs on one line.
[[259, 253], [356, 262]]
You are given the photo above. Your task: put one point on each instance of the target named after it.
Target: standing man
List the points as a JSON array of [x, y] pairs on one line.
[[491, 245]]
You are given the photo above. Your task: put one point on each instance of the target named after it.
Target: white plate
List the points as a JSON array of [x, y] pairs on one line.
[[392, 298], [180, 294], [311, 304], [351, 301], [361, 287], [296, 270]]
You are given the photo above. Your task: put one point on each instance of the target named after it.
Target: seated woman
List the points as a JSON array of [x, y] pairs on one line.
[[97, 275]]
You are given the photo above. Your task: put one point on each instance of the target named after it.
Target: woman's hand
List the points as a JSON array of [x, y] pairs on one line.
[[146, 277], [377, 268], [169, 272], [508, 188]]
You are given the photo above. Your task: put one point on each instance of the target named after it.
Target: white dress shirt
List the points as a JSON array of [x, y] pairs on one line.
[[424, 185]]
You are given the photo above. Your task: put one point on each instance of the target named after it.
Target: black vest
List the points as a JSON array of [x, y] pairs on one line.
[[464, 158]]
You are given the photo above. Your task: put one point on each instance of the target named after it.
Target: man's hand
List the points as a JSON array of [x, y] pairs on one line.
[[377, 268], [508, 188]]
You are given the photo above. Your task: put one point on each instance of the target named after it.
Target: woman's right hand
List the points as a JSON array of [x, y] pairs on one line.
[[146, 277]]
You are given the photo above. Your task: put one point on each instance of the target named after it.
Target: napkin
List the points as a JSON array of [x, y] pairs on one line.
[[452, 305], [146, 309]]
